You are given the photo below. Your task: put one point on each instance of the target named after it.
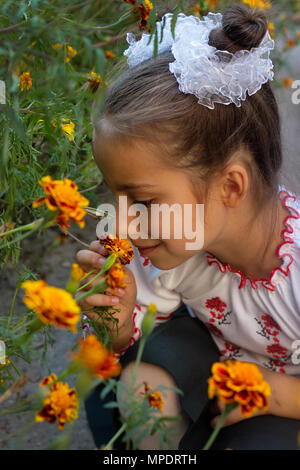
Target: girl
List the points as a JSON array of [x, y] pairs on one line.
[[238, 297]]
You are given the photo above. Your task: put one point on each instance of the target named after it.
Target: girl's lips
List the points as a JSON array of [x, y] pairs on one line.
[[146, 251]]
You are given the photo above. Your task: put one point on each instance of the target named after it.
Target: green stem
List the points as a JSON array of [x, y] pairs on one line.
[[115, 437], [100, 287], [138, 359], [228, 408], [23, 227], [108, 263]]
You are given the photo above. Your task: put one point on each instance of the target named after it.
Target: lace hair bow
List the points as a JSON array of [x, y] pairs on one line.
[[212, 75]]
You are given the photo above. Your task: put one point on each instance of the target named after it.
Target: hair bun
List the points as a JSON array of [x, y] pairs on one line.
[[244, 26]]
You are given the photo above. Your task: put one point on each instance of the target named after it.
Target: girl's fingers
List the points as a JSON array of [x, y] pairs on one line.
[[88, 259], [98, 300], [98, 248]]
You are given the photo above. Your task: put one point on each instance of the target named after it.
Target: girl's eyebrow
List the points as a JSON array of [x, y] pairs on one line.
[[134, 186]]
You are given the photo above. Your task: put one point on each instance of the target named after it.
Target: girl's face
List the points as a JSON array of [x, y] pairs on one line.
[[144, 176]]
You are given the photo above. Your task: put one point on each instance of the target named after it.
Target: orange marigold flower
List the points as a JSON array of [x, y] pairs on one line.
[[271, 28], [288, 82], [109, 55], [240, 382], [121, 247], [53, 306], [154, 397], [290, 43], [60, 404], [95, 357], [62, 195], [25, 81], [142, 12], [115, 277]]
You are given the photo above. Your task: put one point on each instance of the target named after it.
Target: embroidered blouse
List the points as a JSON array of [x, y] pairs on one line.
[[255, 320]]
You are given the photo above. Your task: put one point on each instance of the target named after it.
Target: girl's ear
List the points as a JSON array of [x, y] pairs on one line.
[[234, 185]]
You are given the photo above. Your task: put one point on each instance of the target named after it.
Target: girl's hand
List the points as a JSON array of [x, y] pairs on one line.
[[123, 299]]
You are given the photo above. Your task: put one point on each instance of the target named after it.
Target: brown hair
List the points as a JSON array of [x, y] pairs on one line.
[[144, 101]]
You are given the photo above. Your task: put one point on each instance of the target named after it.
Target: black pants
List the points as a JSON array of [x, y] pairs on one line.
[[184, 347]]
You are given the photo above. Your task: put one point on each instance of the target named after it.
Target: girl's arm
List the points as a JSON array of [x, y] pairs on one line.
[[284, 400]]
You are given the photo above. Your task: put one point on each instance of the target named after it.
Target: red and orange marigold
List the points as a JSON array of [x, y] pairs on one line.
[[239, 382], [63, 196]]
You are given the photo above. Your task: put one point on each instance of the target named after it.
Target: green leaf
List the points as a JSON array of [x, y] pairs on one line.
[[100, 61], [16, 123], [174, 20], [88, 48]]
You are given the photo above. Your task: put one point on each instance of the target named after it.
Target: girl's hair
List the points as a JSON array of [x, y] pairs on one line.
[[145, 102]]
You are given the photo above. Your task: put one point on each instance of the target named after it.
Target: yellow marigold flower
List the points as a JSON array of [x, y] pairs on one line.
[[261, 4], [271, 28], [121, 247], [77, 272], [70, 53], [60, 404], [68, 128], [142, 12], [115, 277], [240, 382], [57, 46], [154, 397], [95, 357], [287, 82], [25, 81], [94, 80], [62, 195], [52, 305]]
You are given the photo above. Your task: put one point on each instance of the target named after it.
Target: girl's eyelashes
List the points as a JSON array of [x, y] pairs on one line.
[[146, 203]]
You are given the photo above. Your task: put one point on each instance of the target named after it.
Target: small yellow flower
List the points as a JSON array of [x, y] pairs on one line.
[[271, 28], [52, 305], [57, 46], [62, 195], [77, 272], [95, 357], [68, 128], [70, 53], [261, 4], [61, 403], [152, 309], [94, 80], [25, 81]]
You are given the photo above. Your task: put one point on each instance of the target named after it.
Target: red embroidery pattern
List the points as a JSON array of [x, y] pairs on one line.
[[215, 303], [267, 283], [220, 317], [146, 260], [270, 330]]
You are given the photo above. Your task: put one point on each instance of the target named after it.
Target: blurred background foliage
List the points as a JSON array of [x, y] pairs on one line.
[[54, 56]]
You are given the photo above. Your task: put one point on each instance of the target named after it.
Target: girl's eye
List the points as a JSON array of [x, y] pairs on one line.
[[146, 203]]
